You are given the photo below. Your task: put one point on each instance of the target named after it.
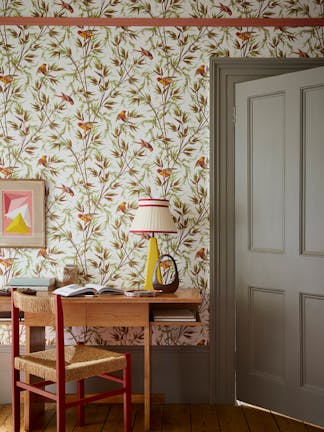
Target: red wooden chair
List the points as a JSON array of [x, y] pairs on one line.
[[63, 364]]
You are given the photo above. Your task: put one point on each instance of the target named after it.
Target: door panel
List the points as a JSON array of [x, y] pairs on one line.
[[312, 358], [313, 172], [279, 205], [266, 172], [265, 332]]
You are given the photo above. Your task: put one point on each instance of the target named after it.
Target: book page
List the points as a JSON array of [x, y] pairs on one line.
[[73, 290]]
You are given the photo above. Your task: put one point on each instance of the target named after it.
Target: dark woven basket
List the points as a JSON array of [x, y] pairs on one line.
[[172, 286]]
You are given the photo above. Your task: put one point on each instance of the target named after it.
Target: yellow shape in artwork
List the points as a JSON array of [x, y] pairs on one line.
[[18, 225]]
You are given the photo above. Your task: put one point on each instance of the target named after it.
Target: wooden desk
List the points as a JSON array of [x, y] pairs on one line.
[[108, 311]]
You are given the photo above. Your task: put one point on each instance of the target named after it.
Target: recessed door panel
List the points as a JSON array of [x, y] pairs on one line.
[[313, 172], [266, 147]]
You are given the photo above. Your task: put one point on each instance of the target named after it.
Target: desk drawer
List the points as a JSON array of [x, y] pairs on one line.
[[74, 315], [117, 314]]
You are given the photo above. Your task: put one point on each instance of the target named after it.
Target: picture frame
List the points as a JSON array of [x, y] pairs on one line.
[[22, 213]]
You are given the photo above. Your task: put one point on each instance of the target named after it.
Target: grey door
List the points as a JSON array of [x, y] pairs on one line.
[[279, 207]]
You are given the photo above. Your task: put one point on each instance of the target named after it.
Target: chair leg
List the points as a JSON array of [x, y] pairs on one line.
[[60, 416], [127, 395], [80, 391], [60, 406], [15, 402]]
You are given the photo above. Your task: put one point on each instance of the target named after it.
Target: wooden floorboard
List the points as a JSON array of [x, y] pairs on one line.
[[169, 418], [259, 420], [204, 418], [286, 424], [231, 419]]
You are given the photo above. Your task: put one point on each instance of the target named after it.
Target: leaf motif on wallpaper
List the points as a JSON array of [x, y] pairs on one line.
[[66, 98], [156, 8], [66, 190], [145, 53], [6, 263], [145, 144], [66, 6]]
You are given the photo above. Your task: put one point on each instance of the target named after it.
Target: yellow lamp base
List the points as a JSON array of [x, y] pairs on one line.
[[152, 257]]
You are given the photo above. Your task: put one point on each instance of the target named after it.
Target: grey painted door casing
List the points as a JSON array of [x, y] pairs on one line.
[[224, 73], [280, 296]]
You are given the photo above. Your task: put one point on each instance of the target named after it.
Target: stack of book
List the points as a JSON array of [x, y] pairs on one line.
[[175, 315], [34, 283]]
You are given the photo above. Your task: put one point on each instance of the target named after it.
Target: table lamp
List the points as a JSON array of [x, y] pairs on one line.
[[152, 217]]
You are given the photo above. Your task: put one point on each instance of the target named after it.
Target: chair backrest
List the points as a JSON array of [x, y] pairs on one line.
[[34, 304], [49, 303]]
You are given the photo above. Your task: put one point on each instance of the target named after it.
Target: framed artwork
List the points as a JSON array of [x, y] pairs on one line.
[[22, 213]]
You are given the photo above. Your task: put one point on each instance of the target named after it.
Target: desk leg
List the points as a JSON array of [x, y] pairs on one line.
[[35, 341], [147, 377]]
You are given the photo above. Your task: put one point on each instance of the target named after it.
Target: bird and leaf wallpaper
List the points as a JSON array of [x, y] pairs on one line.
[[107, 115]]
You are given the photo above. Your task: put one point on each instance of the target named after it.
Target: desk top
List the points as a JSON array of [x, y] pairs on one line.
[[109, 309], [182, 295]]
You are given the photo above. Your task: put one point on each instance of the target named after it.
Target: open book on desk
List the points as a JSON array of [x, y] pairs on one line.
[[89, 289]]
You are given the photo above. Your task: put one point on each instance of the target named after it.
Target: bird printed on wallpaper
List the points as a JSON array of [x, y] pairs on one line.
[[165, 173], [86, 34], [66, 98], [66, 6], [6, 171], [165, 81], [42, 69], [201, 70], [66, 189], [122, 115], [201, 162], [146, 53], [165, 264], [86, 126], [85, 217], [7, 79], [244, 36], [43, 161], [224, 8], [6, 262], [122, 207], [145, 144], [201, 254], [42, 253]]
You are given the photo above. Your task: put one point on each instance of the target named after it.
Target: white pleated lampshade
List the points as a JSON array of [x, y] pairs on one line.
[[153, 216]]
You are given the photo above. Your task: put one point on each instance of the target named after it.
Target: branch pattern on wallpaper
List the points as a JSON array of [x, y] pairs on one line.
[[173, 9], [106, 115]]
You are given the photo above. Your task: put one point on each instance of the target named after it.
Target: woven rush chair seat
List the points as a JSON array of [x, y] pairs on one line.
[[81, 361], [62, 364]]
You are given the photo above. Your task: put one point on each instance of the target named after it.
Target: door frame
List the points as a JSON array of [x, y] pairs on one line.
[[224, 74]]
